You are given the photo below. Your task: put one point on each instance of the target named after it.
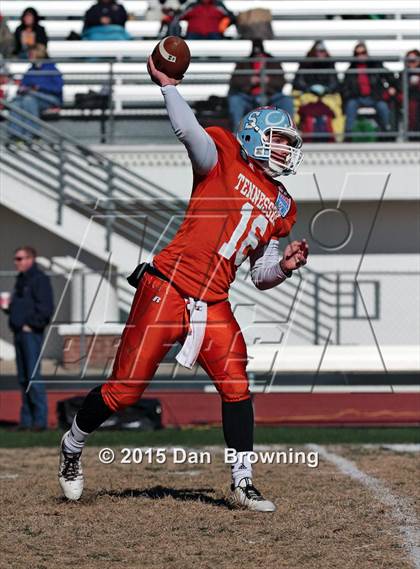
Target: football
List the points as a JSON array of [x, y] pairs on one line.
[[172, 56]]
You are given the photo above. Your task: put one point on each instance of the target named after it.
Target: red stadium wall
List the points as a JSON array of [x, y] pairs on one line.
[[197, 408]]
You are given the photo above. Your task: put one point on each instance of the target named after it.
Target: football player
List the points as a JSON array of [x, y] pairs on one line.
[[238, 209]]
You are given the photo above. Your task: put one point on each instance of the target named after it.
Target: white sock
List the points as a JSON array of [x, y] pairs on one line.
[[242, 468], [75, 439]]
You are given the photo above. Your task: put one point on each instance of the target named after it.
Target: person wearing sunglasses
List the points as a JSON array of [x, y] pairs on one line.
[[30, 311], [319, 70], [364, 88]]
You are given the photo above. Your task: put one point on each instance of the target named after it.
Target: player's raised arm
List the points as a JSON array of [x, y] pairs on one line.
[[200, 146]]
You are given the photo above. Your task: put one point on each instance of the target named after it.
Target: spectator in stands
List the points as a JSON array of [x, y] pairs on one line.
[[154, 10], [315, 90], [30, 312], [29, 33], [167, 12], [413, 68], [7, 42], [41, 88], [362, 89], [207, 19], [393, 98], [304, 81], [315, 118], [246, 89], [105, 20]]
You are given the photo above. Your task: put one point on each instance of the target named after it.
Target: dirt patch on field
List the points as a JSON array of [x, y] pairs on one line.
[[177, 517], [400, 471]]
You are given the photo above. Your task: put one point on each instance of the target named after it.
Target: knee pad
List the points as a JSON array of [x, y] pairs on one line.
[[118, 395], [234, 389]]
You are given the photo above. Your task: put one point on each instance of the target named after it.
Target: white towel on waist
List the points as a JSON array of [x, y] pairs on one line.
[[194, 340]]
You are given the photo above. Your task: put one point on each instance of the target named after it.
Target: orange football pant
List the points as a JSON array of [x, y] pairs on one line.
[[159, 317]]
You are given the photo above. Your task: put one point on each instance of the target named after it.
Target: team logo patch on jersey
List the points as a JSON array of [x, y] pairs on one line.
[[283, 204]]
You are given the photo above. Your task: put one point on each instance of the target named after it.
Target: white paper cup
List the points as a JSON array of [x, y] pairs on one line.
[[5, 300]]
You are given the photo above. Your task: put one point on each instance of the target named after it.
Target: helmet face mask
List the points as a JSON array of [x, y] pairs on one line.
[[269, 135], [283, 159]]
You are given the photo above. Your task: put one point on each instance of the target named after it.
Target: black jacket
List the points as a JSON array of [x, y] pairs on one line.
[[379, 82], [40, 37], [32, 301], [116, 13], [304, 81]]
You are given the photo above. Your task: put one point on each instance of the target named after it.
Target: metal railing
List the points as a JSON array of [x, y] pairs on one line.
[[337, 298], [79, 177], [112, 77]]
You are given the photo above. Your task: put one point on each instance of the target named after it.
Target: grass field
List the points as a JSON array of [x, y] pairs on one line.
[[213, 436], [358, 508]]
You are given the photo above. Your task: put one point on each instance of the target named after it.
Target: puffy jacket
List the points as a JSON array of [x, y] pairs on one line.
[[40, 37], [116, 13], [51, 82], [32, 301], [205, 18], [304, 81], [379, 82]]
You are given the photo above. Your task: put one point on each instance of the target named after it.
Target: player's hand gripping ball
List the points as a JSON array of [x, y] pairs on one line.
[[172, 57]]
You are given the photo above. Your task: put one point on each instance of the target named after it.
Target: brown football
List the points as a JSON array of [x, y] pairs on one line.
[[172, 56]]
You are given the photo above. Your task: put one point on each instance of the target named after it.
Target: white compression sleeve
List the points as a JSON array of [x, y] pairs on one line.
[[265, 266], [200, 146]]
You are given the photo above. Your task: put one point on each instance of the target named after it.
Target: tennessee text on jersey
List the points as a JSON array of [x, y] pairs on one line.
[[257, 197]]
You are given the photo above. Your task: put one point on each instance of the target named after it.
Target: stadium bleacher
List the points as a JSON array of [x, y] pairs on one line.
[[122, 64], [306, 8], [205, 78], [222, 48], [294, 29]]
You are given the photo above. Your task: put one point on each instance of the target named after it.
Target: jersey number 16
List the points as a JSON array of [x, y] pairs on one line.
[[228, 248]]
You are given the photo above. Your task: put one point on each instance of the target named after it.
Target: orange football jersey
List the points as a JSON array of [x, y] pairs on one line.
[[233, 210]]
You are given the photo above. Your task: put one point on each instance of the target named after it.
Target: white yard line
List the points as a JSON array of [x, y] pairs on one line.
[[185, 472], [408, 447], [400, 509]]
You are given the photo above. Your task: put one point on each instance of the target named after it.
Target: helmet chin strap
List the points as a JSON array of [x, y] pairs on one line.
[[275, 169], [272, 172]]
